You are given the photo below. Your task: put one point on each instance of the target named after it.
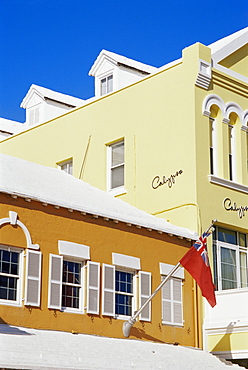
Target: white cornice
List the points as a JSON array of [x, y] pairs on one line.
[[228, 184]]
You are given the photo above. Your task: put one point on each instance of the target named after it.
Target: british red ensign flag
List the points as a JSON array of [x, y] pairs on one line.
[[196, 262]]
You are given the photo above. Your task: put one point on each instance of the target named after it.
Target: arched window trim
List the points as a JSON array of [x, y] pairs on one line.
[[12, 220]]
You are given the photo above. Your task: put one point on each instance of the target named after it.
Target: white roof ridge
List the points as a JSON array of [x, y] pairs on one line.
[[118, 58], [219, 44], [53, 95], [40, 183]]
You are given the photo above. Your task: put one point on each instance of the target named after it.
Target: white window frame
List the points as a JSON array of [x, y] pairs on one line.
[[119, 189], [132, 295], [231, 153], [217, 265], [108, 87], [213, 148], [18, 301], [68, 166], [80, 286]]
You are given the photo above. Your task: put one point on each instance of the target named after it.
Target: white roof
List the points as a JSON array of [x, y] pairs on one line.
[[23, 348], [53, 186], [233, 38], [120, 59], [52, 95], [10, 126]]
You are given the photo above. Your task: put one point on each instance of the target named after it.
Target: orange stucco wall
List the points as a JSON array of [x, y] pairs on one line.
[[47, 225]]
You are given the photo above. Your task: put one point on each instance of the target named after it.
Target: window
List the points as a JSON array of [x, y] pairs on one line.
[[106, 85], [71, 286], [66, 166], [10, 275], [123, 293], [231, 152], [116, 165], [212, 138], [125, 289], [230, 259], [66, 281]]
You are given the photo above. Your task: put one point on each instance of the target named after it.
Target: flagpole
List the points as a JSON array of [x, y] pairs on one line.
[[127, 325]]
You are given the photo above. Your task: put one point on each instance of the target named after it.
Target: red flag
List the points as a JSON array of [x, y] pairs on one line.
[[196, 262]]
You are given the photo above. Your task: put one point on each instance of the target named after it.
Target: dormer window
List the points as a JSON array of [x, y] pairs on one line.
[[106, 85]]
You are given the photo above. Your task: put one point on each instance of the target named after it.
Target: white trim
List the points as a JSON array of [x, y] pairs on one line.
[[229, 72], [122, 260], [228, 184], [14, 221], [212, 100], [166, 268], [204, 74], [231, 354], [74, 250]]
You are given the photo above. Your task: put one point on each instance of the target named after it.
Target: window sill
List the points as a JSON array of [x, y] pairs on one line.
[[171, 324], [228, 184], [117, 191], [10, 303], [68, 310]]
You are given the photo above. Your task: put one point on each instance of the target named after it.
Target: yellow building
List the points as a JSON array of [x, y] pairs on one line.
[[172, 141], [75, 259]]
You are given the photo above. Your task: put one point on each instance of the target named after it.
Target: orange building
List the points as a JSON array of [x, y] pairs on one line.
[[73, 258]]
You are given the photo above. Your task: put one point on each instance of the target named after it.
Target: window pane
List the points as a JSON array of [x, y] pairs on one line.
[[228, 268], [117, 154], [123, 304], [227, 236], [110, 83], [215, 265], [117, 177], [103, 86], [242, 240], [243, 270]]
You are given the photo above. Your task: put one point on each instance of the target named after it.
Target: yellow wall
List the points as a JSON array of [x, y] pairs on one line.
[[228, 342], [48, 225]]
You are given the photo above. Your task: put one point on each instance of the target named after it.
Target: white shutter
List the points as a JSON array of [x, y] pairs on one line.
[[33, 278], [166, 302], [55, 282], [177, 301], [93, 286], [144, 293], [108, 290], [172, 302]]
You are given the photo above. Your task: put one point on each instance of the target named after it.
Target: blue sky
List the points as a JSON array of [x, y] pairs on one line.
[[53, 43]]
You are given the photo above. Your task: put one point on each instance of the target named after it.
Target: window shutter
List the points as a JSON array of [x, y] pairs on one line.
[[93, 286], [33, 278], [108, 293], [166, 302], [55, 282], [177, 301], [145, 292]]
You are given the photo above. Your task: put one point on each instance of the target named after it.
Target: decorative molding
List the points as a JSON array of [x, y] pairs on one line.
[[12, 220], [123, 260], [228, 184], [212, 100], [204, 76], [70, 249]]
